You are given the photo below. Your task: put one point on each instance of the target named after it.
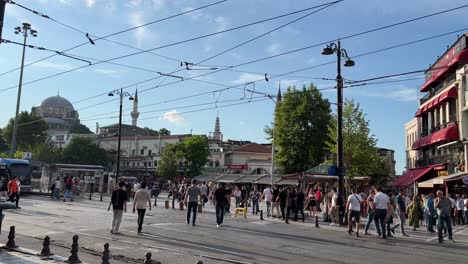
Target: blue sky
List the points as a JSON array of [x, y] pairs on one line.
[[388, 106]]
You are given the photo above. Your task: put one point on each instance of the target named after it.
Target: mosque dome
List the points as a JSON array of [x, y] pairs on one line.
[[57, 102]]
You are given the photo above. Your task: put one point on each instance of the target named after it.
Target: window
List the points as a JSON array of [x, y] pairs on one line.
[[59, 138], [144, 164], [452, 110], [155, 163], [142, 152], [133, 152], [149, 152]]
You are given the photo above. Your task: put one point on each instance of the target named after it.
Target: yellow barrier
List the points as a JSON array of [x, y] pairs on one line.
[[242, 210]]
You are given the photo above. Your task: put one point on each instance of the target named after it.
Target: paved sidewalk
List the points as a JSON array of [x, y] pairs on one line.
[[12, 257]]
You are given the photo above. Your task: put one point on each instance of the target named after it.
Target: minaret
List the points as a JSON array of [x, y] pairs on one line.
[[135, 112], [217, 135]]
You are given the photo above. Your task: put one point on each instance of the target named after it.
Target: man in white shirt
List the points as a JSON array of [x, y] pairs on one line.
[[204, 193], [136, 187], [460, 203], [334, 208], [267, 195], [58, 188], [142, 196], [381, 203], [353, 210], [465, 208], [452, 211]]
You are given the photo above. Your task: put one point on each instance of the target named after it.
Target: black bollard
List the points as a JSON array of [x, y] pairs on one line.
[[316, 222], [261, 215], [156, 201], [11, 238], [100, 198], [105, 254], [46, 247], [166, 204], [199, 262], [148, 258], [73, 258]]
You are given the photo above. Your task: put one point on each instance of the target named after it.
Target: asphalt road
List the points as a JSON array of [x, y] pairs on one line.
[[168, 237]]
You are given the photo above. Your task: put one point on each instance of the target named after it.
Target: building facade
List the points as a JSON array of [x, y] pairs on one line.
[[412, 135], [442, 122], [388, 158], [59, 114]]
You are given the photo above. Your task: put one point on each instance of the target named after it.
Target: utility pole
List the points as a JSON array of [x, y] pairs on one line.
[[26, 29], [340, 53]]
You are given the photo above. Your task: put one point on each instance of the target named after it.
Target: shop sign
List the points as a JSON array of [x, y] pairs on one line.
[[442, 173], [238, 167], [439, 168], [438, 181], [465, 180]]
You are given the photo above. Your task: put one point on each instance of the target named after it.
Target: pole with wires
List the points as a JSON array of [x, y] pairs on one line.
[[26, 30]]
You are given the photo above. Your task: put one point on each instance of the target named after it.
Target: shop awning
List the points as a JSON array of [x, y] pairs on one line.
[[442, 179], [410, 177], [422, 142], [438, 100], [447, 134], [426, 184]]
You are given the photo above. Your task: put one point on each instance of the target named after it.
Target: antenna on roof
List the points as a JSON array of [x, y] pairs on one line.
[[58, 92]]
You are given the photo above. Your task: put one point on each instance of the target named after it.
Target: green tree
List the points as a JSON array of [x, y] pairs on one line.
[[82, 150], [195, 150], [359, 146], [302, 121], [80, 129], [3, 145], [47, 152], [164, 132], [31, 131], [167, 167]]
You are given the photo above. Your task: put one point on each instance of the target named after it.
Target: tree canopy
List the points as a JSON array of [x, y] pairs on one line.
[[80, 129], [167, 167], [302, 121], [47, 152], [195, 151], [31, 131], [82, 150]]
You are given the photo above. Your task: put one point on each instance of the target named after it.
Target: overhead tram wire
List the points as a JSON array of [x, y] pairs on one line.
[[119, 32], [315, 66], [254, 61], [320, 44], [164, 46]]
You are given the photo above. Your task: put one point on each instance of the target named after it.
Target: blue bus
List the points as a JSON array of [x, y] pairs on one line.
[[10, 168]]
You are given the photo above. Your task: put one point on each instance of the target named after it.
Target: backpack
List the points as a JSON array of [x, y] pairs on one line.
[[52, 188]]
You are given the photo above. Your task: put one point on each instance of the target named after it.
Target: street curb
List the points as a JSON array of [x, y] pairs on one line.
[[31, 252]]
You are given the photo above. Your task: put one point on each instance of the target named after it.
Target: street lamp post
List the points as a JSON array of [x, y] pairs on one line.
[[122, 94], [26, 30], [341, 53]]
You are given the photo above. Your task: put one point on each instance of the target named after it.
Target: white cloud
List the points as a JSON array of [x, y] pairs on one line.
[[55, 66], [90, 3], [402, 94], [207, 47], [273, 48], [158, 4], [195, 15], [108, 72], [142, 33], [110, 6], [248, 77], [134, 3], [222, 22], [174, 117]]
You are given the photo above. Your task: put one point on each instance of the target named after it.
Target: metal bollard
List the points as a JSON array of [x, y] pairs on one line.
[[156, 201], [181, 206], [11, 238], [73, 258], [166, 204], [261, 215], [46, 247], [148, 258], [200, 208], [199, 262], [105, 254], [316, 222], [100, 198]]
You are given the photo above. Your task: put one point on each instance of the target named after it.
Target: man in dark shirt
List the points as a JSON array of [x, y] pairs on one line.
[[220, 198], [401, 210], [290, 204], [299, 203], [228, 199], [119, 205], [276, 193], [282, 199]]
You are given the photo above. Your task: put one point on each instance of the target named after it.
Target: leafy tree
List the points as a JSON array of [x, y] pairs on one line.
[[164, 132], [195, 150], [31, 131], [3, 145], [167, 167], [47, 152], [359, 146], [301, 127], [80, 129], [82, 150]]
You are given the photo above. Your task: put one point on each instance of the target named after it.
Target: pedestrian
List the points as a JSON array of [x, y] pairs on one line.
[[118, 201], [290, 204], [228, 199], [453, 210], [370, 211], [237, 196], [68, 190], [401, 210], [52, 190], [58, 187], [460, 203], [4, 188], [267, 195], [255, 198], [312, 203], [219, 200], [382, 203], [353, 211], [276, 204], [334, 208], [136, 187], [415, 213], [128, 188], [282, 199], [13, 192], [465, 208], [444, 206], [142, 197], [431, 213], [204, 193], [300, 197], [389, 218], [192, 198]]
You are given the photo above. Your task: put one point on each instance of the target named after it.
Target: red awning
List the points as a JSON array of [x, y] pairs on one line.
[[438, 100], [451, 93], [418, 113], [447, 134], [422, 142], [410, 177], [440, 69]]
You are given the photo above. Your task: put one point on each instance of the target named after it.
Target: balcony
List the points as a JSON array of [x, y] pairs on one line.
[[448, 81], [436, 160]]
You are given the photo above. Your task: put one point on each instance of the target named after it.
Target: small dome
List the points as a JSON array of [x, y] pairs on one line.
[[57, 102]]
